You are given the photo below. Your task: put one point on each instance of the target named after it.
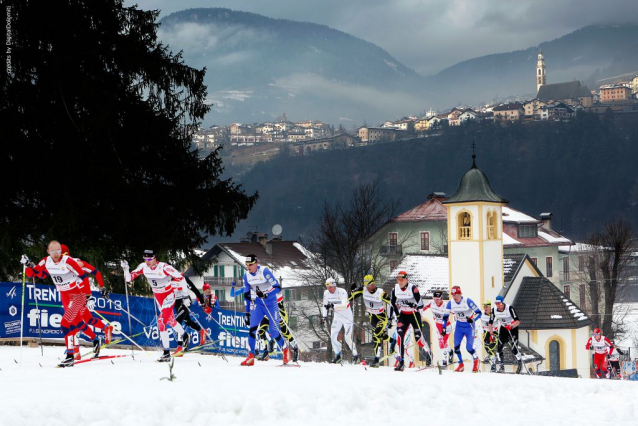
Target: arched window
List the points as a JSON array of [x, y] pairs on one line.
[[491, 225], [539, 71], [554, 355], [464, 220]]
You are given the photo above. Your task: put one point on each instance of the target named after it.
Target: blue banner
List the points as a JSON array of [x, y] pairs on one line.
[[228, 331]]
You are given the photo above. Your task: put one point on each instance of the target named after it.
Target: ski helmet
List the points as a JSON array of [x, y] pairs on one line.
[[437, 294], [330, 282], [367, 280], [250, 259], [456, 290], [402, 274], [149, 254], [596, 330]]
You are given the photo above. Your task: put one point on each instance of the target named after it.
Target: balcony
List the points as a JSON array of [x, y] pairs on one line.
[[395, 250], [564, 276], [221, 282]]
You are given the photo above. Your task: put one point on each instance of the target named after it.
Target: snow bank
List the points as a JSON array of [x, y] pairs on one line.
[[210, 391]]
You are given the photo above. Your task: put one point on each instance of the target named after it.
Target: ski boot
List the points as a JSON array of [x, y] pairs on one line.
[[202, 337], [427, 356], [179, 351], [411, 365], [264, 356], [166, 356], [355, 359], [493, 367], [337, 359], [108, 334], [76, 353], [393, 343], [400, 366], [271, 346], [519, 366], [501, 368], [375, 362], [68, 361], [249, 361], [97, 344], [450, 357], [460, 368], [475, 367], [186, 339], [286, 355], [295, 353]]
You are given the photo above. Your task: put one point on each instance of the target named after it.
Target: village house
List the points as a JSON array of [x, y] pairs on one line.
[[615, 92], [509, 112]]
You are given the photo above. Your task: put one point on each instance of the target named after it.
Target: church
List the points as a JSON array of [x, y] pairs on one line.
[[553, 330]]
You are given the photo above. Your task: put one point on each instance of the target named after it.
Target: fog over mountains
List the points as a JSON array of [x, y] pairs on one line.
[[259, 67]]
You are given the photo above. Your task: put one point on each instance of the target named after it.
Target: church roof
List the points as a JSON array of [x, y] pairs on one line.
[[432, 209], [541, 305], [475, 187], [561, 91]]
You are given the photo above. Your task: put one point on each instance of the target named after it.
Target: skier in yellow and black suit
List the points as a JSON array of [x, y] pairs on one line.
[[283, 329], [375, 300]]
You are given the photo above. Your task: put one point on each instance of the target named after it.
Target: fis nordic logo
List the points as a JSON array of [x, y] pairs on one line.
[[13, 311], [12, 293]]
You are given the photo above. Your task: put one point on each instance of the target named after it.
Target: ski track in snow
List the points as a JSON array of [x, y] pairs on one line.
[[130, 392]]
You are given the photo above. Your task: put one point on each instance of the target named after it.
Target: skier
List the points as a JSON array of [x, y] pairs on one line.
[[87, 315], [465, 313], [337, 299], [183, 302], [614, 360], [165, 281], [210, 302], [508, 332], [260, 291], [284, 330], [489, 339], [375, 301], [602, 348], [443, 327], [67, 275], [406, 302]]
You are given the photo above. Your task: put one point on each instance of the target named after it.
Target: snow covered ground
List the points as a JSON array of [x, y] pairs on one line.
[[209, 391]]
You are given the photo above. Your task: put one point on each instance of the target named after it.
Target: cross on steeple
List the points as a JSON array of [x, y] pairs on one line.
[[473, 154]]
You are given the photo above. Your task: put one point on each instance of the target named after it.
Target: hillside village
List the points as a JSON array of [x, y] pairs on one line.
[[553, 102]]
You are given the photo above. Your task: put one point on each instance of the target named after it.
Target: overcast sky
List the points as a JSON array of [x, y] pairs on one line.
[[430, 35]]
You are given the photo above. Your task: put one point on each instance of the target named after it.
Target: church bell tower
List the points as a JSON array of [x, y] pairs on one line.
[[541, 78]]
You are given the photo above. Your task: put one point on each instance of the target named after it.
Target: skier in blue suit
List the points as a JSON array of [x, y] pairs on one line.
[[260, 292], [465, 313]]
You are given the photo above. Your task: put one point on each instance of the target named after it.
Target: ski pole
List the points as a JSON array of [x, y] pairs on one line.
[[35, 296], [237, 340], [123, 334], [24, 279], [427, 349], [205, 331], [130, 328], [518, 349], [133, 316]]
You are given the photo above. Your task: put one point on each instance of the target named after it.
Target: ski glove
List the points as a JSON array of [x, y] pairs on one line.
[[353, 287], [323, 320], [90, 304], [124, 264], [233, 284], [247, 317], [508, 327], [443, 331], [24, 259], [105, 292], [261, 294], [410, 304], [491, 337], [470, 320], [187, 302], [208, 310], [330, 306]]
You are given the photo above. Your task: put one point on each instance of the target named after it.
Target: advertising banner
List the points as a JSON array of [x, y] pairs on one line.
[[43, 311]]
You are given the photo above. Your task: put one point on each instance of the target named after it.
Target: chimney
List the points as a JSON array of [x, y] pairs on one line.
[[269, 247], [262, 238], [437, 195], [546, 218]]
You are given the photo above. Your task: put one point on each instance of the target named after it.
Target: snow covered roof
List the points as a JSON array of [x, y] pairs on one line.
[[432, 209], [541, 305], [513, 215], [428, 272]]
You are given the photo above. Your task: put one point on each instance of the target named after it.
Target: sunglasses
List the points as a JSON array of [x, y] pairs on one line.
[[148, 259], [55, 251], [250, 263]]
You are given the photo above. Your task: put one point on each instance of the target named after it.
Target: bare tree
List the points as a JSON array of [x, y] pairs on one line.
[[341, 249], [608, 261]]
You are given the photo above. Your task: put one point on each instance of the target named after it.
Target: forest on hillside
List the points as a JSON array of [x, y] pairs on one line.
[[583, 171]]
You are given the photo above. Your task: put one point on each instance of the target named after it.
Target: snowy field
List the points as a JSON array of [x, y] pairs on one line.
[[210, 391]]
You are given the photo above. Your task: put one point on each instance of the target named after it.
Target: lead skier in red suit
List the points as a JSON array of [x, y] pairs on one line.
[[66, 274]]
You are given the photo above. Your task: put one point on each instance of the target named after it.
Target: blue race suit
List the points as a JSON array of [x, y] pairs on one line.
[[462, 311], [260, 307]]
